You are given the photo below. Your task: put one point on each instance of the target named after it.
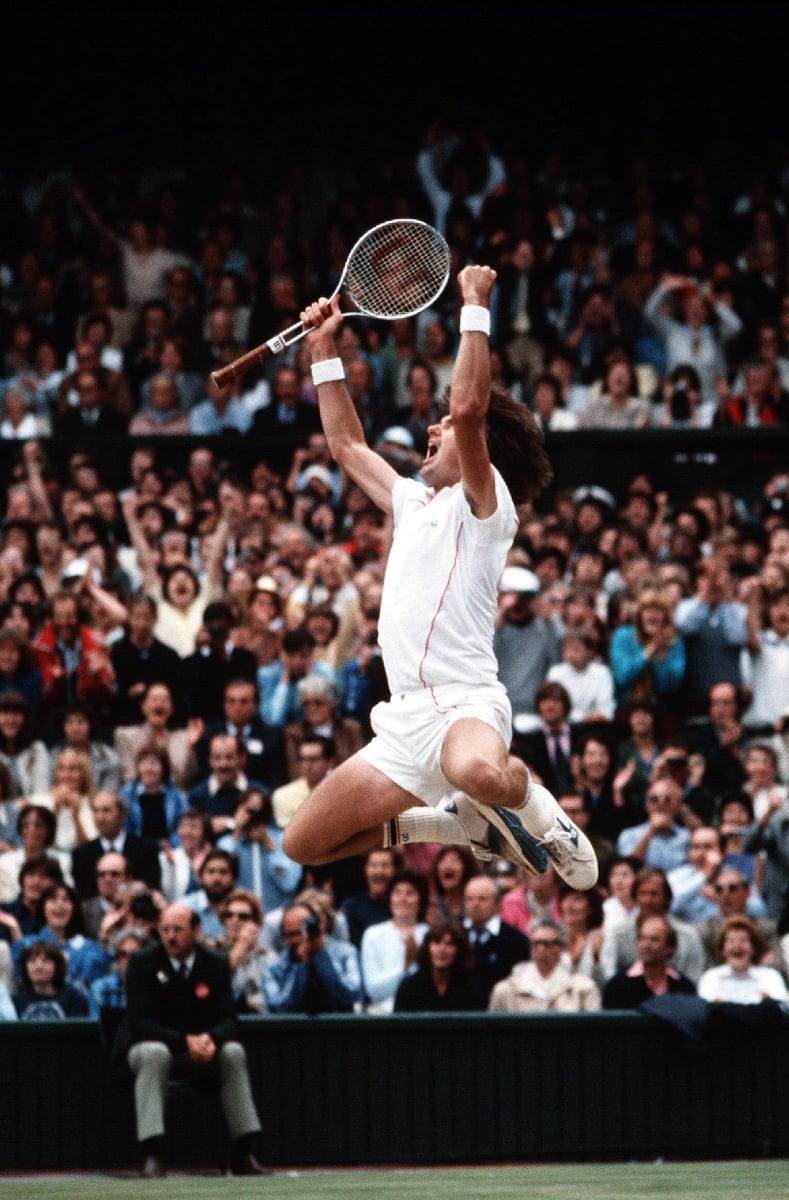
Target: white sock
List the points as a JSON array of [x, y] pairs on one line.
[[425, 825], [538, 810]]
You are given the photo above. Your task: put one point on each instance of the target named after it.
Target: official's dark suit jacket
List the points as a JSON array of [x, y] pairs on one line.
[[142, 855], [161, 1007]]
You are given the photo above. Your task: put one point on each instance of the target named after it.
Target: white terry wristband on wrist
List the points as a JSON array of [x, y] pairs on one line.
[[328, 370], [475, 319]]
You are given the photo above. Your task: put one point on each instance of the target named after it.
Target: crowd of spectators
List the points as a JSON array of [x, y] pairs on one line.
[[188, 634]]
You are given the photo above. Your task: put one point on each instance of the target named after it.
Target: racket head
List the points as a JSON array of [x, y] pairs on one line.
[[396, 269]]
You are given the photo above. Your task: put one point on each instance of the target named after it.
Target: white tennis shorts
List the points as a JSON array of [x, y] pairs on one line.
[[411, 727]]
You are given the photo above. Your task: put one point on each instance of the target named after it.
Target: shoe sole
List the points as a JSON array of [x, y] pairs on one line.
[[504, 824]]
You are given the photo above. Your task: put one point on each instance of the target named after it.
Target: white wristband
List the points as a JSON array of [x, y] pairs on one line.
[[328, 370], [475, 319]]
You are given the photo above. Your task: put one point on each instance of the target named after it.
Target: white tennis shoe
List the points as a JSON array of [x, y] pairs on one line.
[[498, 833], [568, 847], [534, 835]]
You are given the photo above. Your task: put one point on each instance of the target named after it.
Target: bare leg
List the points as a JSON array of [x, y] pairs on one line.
[[475, 760], [345, 814]]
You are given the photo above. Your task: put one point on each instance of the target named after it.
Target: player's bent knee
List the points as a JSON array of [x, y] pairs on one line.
[[485, 781]]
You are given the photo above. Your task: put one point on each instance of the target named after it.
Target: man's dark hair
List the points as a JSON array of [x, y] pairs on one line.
[[223, 856], [217, 612], [551, 689], [238, 681], [296, 640], [327, 744], [41, 864], [515, 445]]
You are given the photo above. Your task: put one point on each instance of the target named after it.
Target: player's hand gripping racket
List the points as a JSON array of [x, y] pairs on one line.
[[396, 269]]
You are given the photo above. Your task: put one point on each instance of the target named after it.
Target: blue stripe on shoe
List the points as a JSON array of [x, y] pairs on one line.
[[494, 841], [530, 847]]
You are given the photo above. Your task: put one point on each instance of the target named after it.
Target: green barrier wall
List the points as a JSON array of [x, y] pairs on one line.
[[403, 1089]]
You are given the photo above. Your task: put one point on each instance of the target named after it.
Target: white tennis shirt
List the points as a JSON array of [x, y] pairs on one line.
[[438, 608]]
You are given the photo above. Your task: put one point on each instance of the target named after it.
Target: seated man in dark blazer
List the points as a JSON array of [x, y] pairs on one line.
[[142, 854], [181, 1020], [496, 946], [91, 415], [287, 412]]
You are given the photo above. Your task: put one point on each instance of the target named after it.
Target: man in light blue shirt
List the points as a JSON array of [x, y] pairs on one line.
[[220, 413], [659, 841]]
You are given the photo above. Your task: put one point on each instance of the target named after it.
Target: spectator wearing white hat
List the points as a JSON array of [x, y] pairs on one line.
[[396, 445], [526, 646]]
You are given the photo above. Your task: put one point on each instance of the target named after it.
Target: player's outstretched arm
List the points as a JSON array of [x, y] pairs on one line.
[[339, 418], [470, 395]]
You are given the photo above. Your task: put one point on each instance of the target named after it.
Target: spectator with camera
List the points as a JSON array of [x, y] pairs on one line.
[[305, 978], [682, 405], [256, 842], [712, 624], [697, 335]]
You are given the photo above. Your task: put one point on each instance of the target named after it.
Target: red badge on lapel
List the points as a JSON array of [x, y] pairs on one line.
[[202, 991]]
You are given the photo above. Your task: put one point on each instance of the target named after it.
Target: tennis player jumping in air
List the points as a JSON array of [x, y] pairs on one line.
[[447, 728]]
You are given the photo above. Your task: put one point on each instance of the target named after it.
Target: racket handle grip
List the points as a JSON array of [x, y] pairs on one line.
[[240, 366]]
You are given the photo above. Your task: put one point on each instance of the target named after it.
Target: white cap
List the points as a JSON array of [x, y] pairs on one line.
[[595, 494], [519, 579], [399, 436], [317, 472], [75, 569]]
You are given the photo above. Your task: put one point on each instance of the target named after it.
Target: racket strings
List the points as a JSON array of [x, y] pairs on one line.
[[397, 270]]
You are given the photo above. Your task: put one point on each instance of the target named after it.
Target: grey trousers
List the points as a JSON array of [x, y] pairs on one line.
[[152, 1062]]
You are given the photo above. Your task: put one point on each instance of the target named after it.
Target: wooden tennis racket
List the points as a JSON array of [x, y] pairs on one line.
[[396, 269]]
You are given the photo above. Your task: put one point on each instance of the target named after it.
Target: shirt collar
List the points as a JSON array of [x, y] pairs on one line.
[[637, 971], [188, 963], [240, 782]]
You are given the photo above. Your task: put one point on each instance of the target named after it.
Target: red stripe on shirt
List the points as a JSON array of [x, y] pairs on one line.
[[440, 603]]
